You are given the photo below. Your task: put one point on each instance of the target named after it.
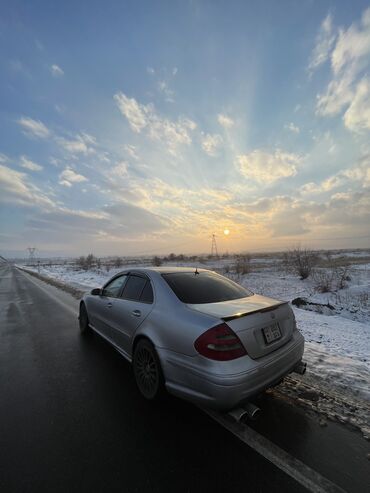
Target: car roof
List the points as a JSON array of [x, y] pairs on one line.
[[164, 270]]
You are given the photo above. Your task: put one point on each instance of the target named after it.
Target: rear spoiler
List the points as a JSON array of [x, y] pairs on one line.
[[261, 310]]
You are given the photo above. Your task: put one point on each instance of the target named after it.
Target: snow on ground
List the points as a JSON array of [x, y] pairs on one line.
[[337, 341], [337, 347], [78, 278]]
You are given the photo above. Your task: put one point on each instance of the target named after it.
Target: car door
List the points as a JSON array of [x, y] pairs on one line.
[[135, 304], [102, 308]]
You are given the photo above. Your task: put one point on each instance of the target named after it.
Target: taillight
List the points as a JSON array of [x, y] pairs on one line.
[[220, 343]]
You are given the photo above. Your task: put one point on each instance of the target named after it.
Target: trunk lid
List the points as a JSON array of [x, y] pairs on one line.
[[248, 317]]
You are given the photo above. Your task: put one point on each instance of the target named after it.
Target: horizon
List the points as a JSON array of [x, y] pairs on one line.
[[135, 128], [205, 255]]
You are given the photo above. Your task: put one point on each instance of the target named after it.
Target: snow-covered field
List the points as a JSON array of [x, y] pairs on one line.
[[337, 338]]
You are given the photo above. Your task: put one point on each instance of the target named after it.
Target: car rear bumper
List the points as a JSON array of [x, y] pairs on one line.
[[225, 391]]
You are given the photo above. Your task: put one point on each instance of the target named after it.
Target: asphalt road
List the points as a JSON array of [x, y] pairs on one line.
[[71, 418]]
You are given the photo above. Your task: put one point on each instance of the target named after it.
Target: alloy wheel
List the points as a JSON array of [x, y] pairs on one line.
[[146, 371]]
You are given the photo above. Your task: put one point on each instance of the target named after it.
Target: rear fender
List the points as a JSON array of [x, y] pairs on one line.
[[175, 330]]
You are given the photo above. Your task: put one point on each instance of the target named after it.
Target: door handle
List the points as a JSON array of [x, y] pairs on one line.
[[136, 313], [109, 305]]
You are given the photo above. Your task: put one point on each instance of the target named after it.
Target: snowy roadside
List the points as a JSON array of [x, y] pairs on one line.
[[337, 348]]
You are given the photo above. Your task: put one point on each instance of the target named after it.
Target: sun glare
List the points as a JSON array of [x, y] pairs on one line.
[[226, 232]]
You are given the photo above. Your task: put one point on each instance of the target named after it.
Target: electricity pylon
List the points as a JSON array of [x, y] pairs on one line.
[[214, 252], [31, 257]]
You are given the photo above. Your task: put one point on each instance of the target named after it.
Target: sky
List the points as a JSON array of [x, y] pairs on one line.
[[140, 127]]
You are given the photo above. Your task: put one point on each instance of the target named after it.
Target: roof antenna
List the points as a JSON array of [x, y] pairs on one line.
[[196, 271]]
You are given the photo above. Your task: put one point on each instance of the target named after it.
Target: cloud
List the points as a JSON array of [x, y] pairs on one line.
[[54, 161], [293, 128], [326, 185], [358, 174], [28, 164], [163, 78], [265, 167], [278, 216], [324, 43], [211, 144], [187, 208], [131, 151], [290, 217], [62, 229], [59, 108], [3, 158], [353, 44], [225, 121], [262, 205], [129, 219], [166, 91], [289, 223], [56, 71], [348, 88], [33, 128], [62, 218], [339, 94], [144, 117], [82, 144], [348, 209], [84, 230], [137, 114], [68, 177], [15, 188], [357, 116], [172, 133], [120, 170]]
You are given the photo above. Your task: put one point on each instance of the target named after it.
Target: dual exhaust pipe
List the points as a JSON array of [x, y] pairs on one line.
[[250, 410]]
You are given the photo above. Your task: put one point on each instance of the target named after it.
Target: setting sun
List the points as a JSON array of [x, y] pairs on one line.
[[226, 232]]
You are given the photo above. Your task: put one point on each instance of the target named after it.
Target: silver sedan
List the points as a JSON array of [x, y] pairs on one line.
[[195, 333]]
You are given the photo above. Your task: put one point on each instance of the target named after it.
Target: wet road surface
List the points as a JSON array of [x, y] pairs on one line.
[[71, 418]]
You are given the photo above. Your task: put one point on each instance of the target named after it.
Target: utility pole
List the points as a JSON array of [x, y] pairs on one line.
[[31, 255], [214, 252]]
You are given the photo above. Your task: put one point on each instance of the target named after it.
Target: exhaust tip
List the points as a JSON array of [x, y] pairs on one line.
[[238, 414], [253, 412], [300, 368], [248, 410]]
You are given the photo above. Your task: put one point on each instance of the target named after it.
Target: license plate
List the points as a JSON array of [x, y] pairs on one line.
[[271, 333]]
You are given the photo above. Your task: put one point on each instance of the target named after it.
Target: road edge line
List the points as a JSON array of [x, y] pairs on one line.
[[296, 469]]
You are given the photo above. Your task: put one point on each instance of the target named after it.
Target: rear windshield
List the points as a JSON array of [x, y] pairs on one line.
[[204, 287]]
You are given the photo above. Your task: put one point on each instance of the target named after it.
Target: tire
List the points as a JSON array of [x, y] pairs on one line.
[[84, 321], [147, 371]]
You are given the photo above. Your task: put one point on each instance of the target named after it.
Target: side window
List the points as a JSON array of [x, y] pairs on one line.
[[147, 294], [133, 288], [114, 287]]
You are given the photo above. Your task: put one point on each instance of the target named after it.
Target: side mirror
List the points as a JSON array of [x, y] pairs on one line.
[[96, 292]]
